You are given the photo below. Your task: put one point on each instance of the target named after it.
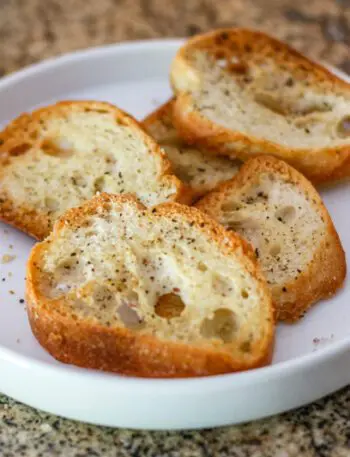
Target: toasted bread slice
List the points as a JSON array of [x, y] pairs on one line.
[[279, 212], [162, 292], [59, 156], [245, 94], [201, 171]]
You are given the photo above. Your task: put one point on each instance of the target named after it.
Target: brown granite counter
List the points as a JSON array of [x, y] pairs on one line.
[[31, 30]]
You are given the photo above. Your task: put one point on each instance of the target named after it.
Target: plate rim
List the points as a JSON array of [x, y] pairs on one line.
[[244, 377], [156, 385], [85, 53]]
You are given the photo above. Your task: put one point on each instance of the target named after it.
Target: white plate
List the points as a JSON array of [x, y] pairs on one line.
[[311, 358]]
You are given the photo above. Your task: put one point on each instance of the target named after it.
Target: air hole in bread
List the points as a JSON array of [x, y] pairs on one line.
[[289, 82], [99, 184], [202, 266], [91, 233], [60, 288], [270, 102], [258, 193], [67, 274], [79, 181], [286, 214], [51, 204], [231, 206], [66, 267], [222, 284], [306, 108], [183, 173], [223, 325], [275, 249], [128, 315], [96, 110], [246, 346], [244, 293], [19, 149], [344, 127], [60, 147], [169, 306], [242, 224]]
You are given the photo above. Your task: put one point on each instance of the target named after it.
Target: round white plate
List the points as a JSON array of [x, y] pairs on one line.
[[312, 358]]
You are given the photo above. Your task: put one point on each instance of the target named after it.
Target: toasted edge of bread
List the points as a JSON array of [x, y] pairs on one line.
[[327, 270], [91, 345]]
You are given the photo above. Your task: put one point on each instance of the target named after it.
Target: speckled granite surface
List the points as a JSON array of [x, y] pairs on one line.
[[34, 29], [319, 430]]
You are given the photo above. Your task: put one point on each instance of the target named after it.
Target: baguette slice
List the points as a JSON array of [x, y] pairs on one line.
[[61, 155], [201, 171], [244, 93], [279, 212], [162, 292]]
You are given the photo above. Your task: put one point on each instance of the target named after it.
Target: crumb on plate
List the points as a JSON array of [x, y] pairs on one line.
[[6, 258]]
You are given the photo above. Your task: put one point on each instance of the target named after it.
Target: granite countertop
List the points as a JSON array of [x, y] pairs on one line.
[[319, 430], [35, 29]]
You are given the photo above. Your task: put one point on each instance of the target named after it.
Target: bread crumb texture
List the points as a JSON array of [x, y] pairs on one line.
[[170, 273], [278, 219], [62, 155], [279, 212], [250, 83]]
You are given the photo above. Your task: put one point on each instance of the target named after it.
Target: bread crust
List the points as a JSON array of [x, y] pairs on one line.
[[162, 112], [321, 164], [87, 343], [24, 130], [327, 270]]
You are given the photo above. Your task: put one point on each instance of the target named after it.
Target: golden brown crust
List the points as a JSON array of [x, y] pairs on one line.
[[115, 350], [26, 219], [318, 164], [88, 344], [327, 270], [160, 114], [248, 41], [24, 133]]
